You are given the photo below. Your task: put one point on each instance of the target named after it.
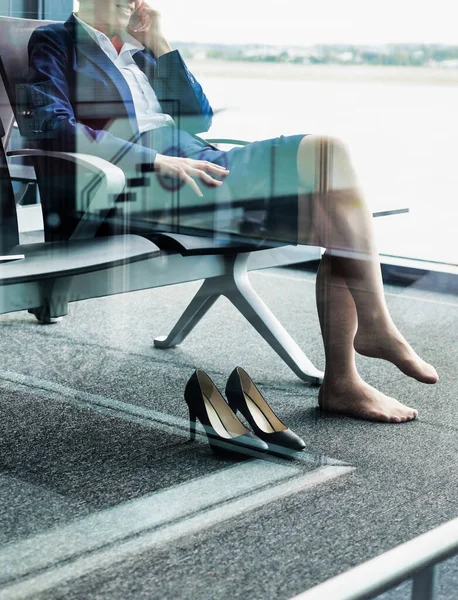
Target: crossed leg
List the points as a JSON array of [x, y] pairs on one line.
[[350, 298]]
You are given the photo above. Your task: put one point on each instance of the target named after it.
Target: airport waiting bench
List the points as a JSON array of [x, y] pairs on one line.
[[45, 277]]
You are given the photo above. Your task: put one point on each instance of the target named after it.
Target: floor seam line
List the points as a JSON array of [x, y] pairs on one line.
[[124, 410], [149, 530], [53, 577]]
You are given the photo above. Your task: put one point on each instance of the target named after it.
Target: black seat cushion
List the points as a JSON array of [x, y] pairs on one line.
[[188, 245]]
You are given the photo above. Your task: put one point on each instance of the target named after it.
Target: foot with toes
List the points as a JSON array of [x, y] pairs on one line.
[[356, 398], [390, 345]]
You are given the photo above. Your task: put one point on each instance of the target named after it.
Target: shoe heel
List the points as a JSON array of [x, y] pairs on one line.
[[232, 405], [192, 424]]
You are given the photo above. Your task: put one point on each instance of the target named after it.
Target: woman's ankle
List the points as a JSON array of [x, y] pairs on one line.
[[339, 380]]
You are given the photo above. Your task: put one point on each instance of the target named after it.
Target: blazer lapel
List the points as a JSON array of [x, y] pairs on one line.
[[104, 66], [147, 63]]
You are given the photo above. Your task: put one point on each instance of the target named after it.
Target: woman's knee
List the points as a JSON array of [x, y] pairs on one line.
[[316, 145], [324, 157]]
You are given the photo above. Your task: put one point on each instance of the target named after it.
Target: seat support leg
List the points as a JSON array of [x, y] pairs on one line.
[[54, 301], [199, 306], [235, 285], [247, 301]]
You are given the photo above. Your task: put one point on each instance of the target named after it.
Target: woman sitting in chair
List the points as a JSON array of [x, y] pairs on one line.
[[107, 82]]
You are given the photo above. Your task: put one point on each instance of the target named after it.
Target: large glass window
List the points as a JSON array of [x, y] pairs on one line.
[[32, 9], [386, 82]]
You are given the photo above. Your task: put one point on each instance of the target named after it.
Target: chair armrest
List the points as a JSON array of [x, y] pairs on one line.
[[22, 173], [97, 165], [109, 180]]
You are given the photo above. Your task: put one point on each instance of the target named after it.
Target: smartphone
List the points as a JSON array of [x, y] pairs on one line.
[[135, 21]]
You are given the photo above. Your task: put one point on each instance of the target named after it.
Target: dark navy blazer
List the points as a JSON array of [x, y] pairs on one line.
[[75, 92]]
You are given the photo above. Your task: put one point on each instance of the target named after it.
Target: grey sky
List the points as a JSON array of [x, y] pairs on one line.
[[305, 22]]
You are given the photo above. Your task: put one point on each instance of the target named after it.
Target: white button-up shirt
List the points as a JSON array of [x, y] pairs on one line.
[[146, 104]]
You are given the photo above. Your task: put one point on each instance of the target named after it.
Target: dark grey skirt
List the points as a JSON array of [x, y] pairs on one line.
[[258, 201]]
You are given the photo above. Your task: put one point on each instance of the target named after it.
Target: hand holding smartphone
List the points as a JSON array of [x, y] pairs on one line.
[[141, 19], [144, 25]]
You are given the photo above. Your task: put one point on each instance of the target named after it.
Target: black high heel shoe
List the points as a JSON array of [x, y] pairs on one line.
[[243, 395], [226, 434]]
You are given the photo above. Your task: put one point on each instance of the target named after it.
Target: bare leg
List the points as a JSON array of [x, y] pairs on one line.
[[343, 225], [343, 390]]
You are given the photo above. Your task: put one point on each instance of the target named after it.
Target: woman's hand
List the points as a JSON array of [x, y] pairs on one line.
[[187, 168], [145, 26]]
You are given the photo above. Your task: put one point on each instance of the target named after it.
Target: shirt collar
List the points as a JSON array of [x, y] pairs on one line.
[[130, 43]]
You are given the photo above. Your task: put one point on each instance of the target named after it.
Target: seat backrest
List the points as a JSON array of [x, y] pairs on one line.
[[14, 38], [9, 233], [55, 188]]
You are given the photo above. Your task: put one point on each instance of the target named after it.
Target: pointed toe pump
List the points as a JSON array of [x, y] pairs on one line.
[[226, 434], [243, 395]]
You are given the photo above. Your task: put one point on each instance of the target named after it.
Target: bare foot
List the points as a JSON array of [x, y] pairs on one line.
[[358, 399], [391, 345]]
